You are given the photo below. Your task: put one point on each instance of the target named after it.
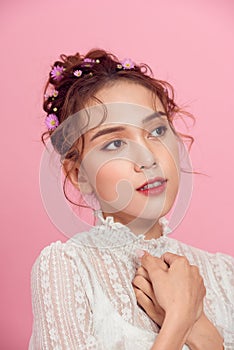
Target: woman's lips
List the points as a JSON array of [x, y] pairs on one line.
[[153, 187]]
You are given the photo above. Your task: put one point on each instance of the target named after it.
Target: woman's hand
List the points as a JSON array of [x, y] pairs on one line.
[[171, 286], [178, 290], [203, 334]]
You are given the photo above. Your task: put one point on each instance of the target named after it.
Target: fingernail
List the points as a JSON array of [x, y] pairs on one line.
[[140, 253]]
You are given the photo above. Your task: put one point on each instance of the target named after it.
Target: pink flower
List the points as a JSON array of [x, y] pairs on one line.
[[90, 60], [78, 73], [51, 121], [57, 72], [127, 63], [53, 93]]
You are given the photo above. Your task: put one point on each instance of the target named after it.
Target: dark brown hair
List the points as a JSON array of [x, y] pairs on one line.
[[75, 92]]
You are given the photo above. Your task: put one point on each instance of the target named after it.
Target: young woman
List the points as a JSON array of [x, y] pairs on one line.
[[124, 284]]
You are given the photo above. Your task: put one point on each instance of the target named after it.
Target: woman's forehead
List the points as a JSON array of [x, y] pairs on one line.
[[126, 91]]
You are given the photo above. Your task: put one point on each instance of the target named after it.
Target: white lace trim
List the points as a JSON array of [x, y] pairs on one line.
[[111, 234]]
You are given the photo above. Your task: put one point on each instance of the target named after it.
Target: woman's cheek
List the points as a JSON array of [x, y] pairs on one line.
[[105, 186], [102, 174], [171, 158], [112, 181]]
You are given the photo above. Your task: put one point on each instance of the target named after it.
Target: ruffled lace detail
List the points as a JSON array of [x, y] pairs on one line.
[[111, 234], [165, 226], [110, 221]]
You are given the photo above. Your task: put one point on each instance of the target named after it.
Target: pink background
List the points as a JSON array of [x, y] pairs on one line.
[[187, 42]]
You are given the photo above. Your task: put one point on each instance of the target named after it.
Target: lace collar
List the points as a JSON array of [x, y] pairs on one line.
[[110, 234]]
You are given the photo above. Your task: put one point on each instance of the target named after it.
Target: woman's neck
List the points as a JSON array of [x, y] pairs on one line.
[[150, 228]]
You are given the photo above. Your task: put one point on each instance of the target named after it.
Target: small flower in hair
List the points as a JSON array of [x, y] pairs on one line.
[[78, 73], [54, 93], [119, 66], [57, 72], [51, 121], [88, 62], [127, 63]]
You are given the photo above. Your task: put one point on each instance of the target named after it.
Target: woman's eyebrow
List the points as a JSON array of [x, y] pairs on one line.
[[121, 128], [107, 131], [153, 116]]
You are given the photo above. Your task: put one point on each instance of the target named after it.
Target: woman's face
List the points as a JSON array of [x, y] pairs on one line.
[[131, 160]]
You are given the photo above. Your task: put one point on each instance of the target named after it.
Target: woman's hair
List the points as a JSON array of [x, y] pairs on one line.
[[80, 77]]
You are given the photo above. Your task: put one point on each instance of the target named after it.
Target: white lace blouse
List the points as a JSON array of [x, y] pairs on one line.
[[83, 298]]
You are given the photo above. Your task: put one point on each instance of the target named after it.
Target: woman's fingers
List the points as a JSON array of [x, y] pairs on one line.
[[142, 272], [145, 296], [156, 314], [141, 282], [170, 258], [153, 265]]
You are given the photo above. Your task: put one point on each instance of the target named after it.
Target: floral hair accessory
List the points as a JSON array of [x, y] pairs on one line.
[[119, 66], [88, 62], [127, 63], [57, 72], [78, 73], [51, 121], [54, 93]]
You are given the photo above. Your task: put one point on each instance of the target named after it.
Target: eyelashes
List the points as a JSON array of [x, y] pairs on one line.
[[113, 145], [119, 143], [161, 130]]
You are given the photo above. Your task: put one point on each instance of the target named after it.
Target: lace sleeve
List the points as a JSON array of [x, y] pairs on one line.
[[223, 267], [62, 316]]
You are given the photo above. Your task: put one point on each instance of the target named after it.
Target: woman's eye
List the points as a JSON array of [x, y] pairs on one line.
[[160, 131], [114, 145]]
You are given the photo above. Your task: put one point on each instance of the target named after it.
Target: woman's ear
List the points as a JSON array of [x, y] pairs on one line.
[[77, 176]]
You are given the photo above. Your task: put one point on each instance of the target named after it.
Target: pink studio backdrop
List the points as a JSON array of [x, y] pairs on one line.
[[187, 42]]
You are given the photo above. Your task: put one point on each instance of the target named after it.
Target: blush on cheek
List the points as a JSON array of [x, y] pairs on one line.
[[106, 187], [106, 179], [113, 184]]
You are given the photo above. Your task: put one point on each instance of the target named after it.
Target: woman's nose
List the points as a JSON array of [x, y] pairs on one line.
[[144, 158]]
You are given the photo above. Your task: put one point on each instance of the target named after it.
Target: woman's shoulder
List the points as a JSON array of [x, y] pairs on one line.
[[195, 254], [68, 252], [57, 250], [48, 255], [57, 263], [218, 266]]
